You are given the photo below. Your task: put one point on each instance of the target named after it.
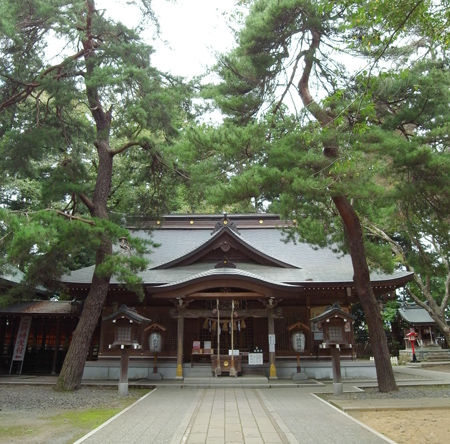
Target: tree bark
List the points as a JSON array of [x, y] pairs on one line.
[[361, 279], [73, 366], [72, 369], [354, 234]]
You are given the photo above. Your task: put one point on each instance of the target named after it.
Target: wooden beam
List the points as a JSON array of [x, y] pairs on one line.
[[226, 294], [226, 314]]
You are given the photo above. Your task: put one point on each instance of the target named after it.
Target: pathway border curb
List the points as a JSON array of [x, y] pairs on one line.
[[370, 429], [92, 432]]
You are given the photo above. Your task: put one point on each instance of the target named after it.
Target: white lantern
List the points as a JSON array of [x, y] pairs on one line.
[[155, 342], [298, 341]]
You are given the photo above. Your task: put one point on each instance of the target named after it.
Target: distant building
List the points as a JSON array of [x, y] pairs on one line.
[[428, 344]]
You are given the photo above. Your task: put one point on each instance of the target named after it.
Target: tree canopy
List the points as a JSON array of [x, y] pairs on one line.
[[335, 115], [311, 126], [65, 119]]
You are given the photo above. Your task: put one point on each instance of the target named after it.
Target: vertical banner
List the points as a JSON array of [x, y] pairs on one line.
[[271, 343], [21, 341]]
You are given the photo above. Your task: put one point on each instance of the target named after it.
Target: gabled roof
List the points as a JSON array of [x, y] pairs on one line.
[[225, 239], [187, 248], [415, 315], [129, 313], [332, 311]]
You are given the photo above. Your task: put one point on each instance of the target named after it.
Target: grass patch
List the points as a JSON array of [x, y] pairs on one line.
[[16, 431], [84, 419], [64, 425]]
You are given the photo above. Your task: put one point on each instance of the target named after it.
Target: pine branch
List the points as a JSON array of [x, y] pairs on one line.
[[72, 217], [88, 202], [430, 305], [124, 147], [30, 87], [289, 84], [303, 85]]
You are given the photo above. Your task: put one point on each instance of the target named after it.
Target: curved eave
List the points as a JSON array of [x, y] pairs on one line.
[[393, 282], [217, 276]]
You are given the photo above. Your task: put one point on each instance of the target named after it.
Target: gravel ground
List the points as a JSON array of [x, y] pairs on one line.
[[401, 393], [28, 397]]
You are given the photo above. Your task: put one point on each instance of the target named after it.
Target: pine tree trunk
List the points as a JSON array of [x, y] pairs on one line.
[[361, 278], [444, 328], [353, 231], [73, 366], [72, 370]]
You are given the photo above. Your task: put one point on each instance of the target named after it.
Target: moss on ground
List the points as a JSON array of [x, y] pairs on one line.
[[69, 423]]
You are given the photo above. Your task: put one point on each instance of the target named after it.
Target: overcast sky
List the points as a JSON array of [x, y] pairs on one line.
[[194, 31]]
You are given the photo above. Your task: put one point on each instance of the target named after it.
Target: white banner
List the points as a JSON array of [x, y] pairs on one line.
[[272, 343], [22, 338]]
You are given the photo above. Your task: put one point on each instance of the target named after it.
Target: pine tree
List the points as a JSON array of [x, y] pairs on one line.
[[67, 122], [292, 48]]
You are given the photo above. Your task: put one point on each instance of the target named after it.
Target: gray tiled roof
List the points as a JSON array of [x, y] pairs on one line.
[[415, 315], [130, 313], [13, 276], [221, 272], [43, 307], [315, 265]]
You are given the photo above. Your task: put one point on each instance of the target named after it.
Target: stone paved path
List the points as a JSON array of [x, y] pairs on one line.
[[232, 415]]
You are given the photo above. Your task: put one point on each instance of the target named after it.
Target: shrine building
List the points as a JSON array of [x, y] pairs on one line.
[[222, 295]]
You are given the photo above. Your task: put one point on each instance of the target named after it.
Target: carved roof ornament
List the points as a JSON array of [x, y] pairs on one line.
[[225, 263], [225, 222]]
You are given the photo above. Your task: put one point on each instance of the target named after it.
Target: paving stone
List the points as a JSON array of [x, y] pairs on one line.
[[207, 416]]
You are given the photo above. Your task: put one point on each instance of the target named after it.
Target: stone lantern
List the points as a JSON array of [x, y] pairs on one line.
[[336, 325], [128, 330]]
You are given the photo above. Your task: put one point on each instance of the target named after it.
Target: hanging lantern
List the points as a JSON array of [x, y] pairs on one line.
[[298, 341], [155, 342]]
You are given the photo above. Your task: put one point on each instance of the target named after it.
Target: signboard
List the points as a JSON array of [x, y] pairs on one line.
[[233, 352], [21, 341], [298, 341], [271, 343], [255, 359]]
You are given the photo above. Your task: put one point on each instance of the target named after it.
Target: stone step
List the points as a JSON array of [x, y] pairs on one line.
[[437, 356], [226, 380]]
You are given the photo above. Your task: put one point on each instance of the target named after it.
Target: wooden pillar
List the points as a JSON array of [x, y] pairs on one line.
[[180, 337], [232, 368], [309, 336], [57, 339], [271, 331], [44, 333], [218, 369], [3, 334]]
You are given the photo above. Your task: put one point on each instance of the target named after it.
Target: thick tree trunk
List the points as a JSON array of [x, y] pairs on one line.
[[361, 278], [72, 370], [73, 366], [353, 231], [438, 315]]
